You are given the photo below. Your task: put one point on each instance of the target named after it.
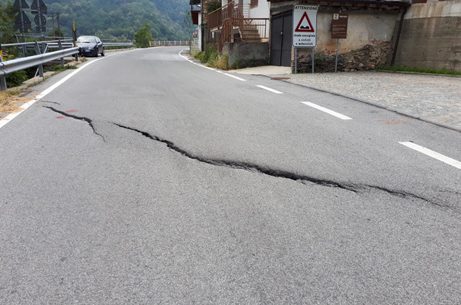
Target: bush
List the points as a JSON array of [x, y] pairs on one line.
[[143, 36], [212, 58], [221, 62], [16, 78]]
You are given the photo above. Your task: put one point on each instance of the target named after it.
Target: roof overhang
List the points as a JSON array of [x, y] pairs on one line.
[[351, 3]]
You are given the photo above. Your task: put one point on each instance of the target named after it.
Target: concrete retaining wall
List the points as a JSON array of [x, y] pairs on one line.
[[431, 36], [247, 54]]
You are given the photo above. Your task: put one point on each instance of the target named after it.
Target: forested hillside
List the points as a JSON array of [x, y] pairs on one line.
[[120, 19]]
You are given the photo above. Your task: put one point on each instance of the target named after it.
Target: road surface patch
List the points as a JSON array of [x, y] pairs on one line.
[[329, 111]]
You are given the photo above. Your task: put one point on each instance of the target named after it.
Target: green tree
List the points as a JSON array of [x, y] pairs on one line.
[[143, 36], [6, 22], [213, 5]]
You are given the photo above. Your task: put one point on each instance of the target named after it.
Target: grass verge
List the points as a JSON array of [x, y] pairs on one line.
[[9, 99], [212, 58]]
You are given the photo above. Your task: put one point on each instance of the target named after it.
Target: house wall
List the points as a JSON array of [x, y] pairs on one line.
[[368, 42], [260, 11], [431, 36], [363, 28]]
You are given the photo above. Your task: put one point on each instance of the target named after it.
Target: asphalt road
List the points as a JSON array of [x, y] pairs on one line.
[[147, 179]]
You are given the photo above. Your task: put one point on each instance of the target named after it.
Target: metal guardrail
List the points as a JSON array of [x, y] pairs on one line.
[[18, 64], [165, 43], [65, 46], [64, 43], [34, 43], [118, 44]]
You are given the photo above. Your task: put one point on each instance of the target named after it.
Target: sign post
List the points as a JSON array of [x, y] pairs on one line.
[[339, 31], [305, 29]]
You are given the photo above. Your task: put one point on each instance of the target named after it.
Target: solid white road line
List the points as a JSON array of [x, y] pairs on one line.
[[236, 77], [212, 69], [269, 89], [433, 154], [326, 110], [47, 91]]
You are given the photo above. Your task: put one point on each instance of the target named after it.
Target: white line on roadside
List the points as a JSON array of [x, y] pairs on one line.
[[432, 154], [41, 95], [236, 77], [326, 110], [212, 69], [65, 79], [269, 89]]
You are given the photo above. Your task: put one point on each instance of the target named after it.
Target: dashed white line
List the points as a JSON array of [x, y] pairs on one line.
[[326, 110], [236, 77], [269, 89], [433, 154]]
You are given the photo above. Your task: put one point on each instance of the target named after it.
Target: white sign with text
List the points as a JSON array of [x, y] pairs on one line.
[[305, 26]]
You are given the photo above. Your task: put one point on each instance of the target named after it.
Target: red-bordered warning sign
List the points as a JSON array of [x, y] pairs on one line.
[[305, 25]]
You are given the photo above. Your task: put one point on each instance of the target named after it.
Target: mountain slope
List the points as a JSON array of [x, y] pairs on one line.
[[120, 19]]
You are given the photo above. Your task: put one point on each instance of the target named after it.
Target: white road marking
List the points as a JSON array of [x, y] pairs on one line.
[[269, 89], [326, 110], [433, 154], [45, 92], [212, 69], [236, 77]]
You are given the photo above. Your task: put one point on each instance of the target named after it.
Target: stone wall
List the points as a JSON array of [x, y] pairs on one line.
[[368, 57], [364, 28], [367, 46], [431, 36], [246, 54]]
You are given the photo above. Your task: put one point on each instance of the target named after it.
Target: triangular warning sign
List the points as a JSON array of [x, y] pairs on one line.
[[305, 25]]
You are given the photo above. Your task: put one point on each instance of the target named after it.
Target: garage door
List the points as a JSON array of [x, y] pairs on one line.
[[281, 39]]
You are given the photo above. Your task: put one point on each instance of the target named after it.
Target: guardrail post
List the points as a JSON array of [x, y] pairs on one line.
[[60, 48], [40, 67], [3, 85]]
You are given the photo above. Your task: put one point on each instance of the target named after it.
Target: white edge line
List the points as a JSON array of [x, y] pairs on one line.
[[41, 95], [432, 154], [236, 77], [208, 68], [326, 110], [269, 89]]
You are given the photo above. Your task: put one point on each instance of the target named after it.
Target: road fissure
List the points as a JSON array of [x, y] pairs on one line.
[[79, 118], [256, 168], [277, 173]]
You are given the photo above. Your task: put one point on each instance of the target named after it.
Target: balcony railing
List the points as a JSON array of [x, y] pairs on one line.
[[231, 23], [216, 18]]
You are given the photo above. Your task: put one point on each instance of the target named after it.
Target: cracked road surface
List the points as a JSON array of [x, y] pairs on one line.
[[146, 179]]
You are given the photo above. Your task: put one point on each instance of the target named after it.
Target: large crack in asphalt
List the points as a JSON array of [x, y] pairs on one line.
[[76, 117], [242, 165], [277, 173], [256, 168]]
